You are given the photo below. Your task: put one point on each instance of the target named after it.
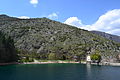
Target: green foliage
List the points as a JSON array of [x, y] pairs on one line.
[[38, 37], [95, 56], [26, 59], [7, 49], [52, 56]]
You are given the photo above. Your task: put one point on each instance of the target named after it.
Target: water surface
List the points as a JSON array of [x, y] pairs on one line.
[[59, 72]]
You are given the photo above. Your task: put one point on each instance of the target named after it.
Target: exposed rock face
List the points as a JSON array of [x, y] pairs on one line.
[[44, 36], [108, 36]]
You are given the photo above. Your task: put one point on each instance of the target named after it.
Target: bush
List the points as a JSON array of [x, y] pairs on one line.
[[52, 56], [26, 60], [95, 57]]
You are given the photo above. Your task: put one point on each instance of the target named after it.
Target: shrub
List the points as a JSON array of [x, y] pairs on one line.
[[95, 57], [52, 56]]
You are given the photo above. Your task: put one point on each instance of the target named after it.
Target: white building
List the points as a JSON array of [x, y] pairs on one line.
[[88, 59]]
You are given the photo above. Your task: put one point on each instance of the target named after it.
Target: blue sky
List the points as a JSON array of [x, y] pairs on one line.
[[86, 14]]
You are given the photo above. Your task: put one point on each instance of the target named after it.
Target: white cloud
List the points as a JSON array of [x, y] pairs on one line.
[[108, 22], [53, 16], [34, 2], [24, 17], [74, 21]]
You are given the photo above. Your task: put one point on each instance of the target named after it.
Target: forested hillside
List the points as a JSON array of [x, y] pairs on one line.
[[43, 36], [7, 49]]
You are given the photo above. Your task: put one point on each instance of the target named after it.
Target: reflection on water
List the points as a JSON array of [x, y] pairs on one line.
[[59, 72], [88, 67]]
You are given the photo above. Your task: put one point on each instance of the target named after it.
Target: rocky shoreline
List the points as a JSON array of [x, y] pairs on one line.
[[51, 62], [103, 64]]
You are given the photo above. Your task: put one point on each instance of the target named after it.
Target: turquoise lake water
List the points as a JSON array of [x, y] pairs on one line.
[[59, 72]]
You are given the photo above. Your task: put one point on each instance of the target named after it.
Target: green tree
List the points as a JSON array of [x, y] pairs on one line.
[[52, 56], [96, 57]]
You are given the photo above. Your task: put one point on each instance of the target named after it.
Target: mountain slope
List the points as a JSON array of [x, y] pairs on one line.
[[108, 36], [44, 36], [7, 49]]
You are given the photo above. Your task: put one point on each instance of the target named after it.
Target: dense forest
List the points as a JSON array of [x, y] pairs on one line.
[[7, 49], [42, 38]]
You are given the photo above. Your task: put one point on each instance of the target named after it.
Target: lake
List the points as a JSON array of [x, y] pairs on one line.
[[59, 72]]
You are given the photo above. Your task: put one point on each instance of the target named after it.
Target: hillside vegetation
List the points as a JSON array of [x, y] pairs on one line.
[[43, 37], [7, 49]]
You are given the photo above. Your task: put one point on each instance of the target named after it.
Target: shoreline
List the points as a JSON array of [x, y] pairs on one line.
[[59, 62], [2, 64], [103, 64], [48, 62]]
